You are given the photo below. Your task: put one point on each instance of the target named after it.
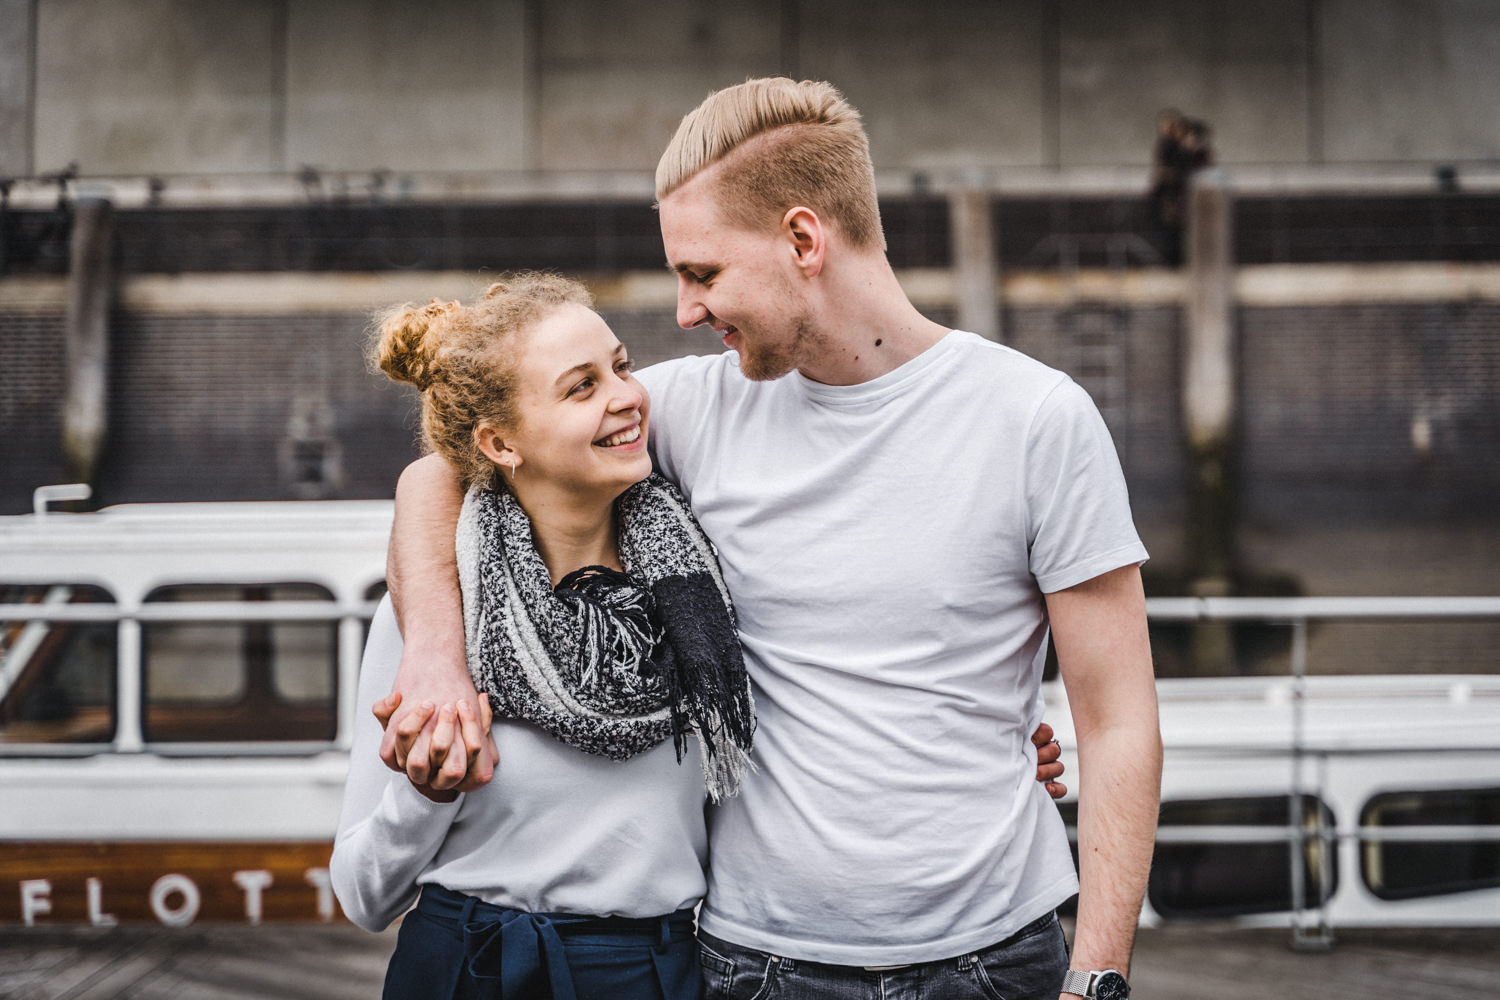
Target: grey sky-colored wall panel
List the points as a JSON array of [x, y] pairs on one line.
[[156, 86], [615, 79], [942, 86], [1241, 67], [440, 85], [215, 86], [1411, 79], [15, 87]]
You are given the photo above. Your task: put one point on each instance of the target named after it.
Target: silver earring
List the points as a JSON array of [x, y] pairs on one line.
[[513, 470]]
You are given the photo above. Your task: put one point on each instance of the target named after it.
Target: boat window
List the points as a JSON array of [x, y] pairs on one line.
[[57, 679], [225, 680], [1228, 879], [1395, 869]]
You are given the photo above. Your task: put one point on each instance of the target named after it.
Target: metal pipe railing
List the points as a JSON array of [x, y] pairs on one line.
[[1295, 612]]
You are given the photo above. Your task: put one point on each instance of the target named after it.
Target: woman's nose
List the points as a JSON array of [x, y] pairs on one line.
[[628, 396]]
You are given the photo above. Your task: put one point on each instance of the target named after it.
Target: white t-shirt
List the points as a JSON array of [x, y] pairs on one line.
[[557, 830], [887, 546]]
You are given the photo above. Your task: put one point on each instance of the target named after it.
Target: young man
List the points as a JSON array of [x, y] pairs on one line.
[[902, 513]]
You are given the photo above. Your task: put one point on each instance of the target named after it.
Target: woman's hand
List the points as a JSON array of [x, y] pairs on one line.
[[445, 769], [1048, 763]]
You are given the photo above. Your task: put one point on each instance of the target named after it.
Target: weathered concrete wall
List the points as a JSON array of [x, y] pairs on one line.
[[210, 86], [391, 84], [157, 86], [15, 87], [1411, 79], [1242, 67], [613, 80], [941, 85]]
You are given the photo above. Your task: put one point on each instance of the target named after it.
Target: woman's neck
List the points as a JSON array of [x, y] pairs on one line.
[[571, 536]]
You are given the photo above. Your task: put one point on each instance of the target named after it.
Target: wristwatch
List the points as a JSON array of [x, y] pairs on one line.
[[1097, 985]]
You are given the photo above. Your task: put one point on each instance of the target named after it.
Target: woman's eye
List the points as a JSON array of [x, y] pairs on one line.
[[581, 387], [625, 367]]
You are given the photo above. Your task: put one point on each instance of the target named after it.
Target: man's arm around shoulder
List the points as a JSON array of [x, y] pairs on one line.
[[1104, 657], [422, 573]]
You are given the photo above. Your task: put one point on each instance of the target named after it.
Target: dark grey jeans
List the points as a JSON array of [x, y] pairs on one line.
[[1028, 965]]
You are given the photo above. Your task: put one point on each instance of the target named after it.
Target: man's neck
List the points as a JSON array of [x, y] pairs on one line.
[[867, 326]]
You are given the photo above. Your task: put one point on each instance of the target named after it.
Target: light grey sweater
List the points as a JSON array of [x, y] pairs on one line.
[[556, 830]]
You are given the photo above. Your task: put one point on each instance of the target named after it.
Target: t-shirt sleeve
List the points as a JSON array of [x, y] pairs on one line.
[[679, 391], [1078, 509]]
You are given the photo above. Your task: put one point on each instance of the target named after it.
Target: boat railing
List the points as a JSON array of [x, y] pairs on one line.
[[351, 617], [1311, 925], [1303, 832]]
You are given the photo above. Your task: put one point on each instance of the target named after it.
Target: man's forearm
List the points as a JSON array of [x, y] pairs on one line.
[[421, 569], [1119, 789], [432, 698], [1104, 657]]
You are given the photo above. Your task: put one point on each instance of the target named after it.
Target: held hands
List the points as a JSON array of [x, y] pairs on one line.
[[421, 744], [1048, 767]]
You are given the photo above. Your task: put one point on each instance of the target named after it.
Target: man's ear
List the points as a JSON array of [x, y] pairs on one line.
[[492, 443], [806, 238]]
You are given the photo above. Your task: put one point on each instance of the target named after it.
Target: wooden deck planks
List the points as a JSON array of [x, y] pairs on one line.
[[302, 962]]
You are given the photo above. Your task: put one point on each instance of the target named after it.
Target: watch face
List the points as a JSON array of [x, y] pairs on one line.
[[1111, 986]]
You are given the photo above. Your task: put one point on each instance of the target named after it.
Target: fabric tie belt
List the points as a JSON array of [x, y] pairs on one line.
[[521, 950]]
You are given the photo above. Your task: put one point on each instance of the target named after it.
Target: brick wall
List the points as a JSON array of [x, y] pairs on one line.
[[1371, 412], [251, 407], [32, 383]]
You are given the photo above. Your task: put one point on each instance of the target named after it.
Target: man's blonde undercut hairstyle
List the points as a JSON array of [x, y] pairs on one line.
[[781, 143]]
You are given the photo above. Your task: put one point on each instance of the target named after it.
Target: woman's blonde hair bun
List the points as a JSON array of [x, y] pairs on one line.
[[410, 340]]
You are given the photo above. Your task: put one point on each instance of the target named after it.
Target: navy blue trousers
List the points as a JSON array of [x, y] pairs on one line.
[[455, 946]]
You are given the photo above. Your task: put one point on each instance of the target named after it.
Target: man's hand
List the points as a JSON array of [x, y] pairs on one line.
[[1048, 765]]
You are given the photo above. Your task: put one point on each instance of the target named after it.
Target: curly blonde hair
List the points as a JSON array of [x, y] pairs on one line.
[[781, 143], [463, 359]]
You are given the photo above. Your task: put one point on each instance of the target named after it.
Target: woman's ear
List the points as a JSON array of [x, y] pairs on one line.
[[492, 444], [806, 238]]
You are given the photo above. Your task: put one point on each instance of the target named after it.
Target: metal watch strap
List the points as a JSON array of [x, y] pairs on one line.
[[1077, 982]]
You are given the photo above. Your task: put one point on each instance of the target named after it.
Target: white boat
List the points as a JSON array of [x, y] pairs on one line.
[[1325, 801], [176, 695], [173, 742]]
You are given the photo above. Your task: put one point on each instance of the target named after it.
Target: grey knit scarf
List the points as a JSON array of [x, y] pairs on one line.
[[610, 663]]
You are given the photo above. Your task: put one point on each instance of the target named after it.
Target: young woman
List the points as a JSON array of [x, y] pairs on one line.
[[597, 624], [599, 627]]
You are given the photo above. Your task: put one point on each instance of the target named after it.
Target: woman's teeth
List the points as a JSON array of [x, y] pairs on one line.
[[624, 437]]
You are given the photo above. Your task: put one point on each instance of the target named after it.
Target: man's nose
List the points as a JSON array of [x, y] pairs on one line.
[[690, 311]]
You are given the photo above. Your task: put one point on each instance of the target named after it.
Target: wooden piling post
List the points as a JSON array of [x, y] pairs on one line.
[[86, 333], [1210, 406], [975, 268]]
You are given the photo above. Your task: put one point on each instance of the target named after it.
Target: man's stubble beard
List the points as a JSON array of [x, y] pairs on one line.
[[762, 362]]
